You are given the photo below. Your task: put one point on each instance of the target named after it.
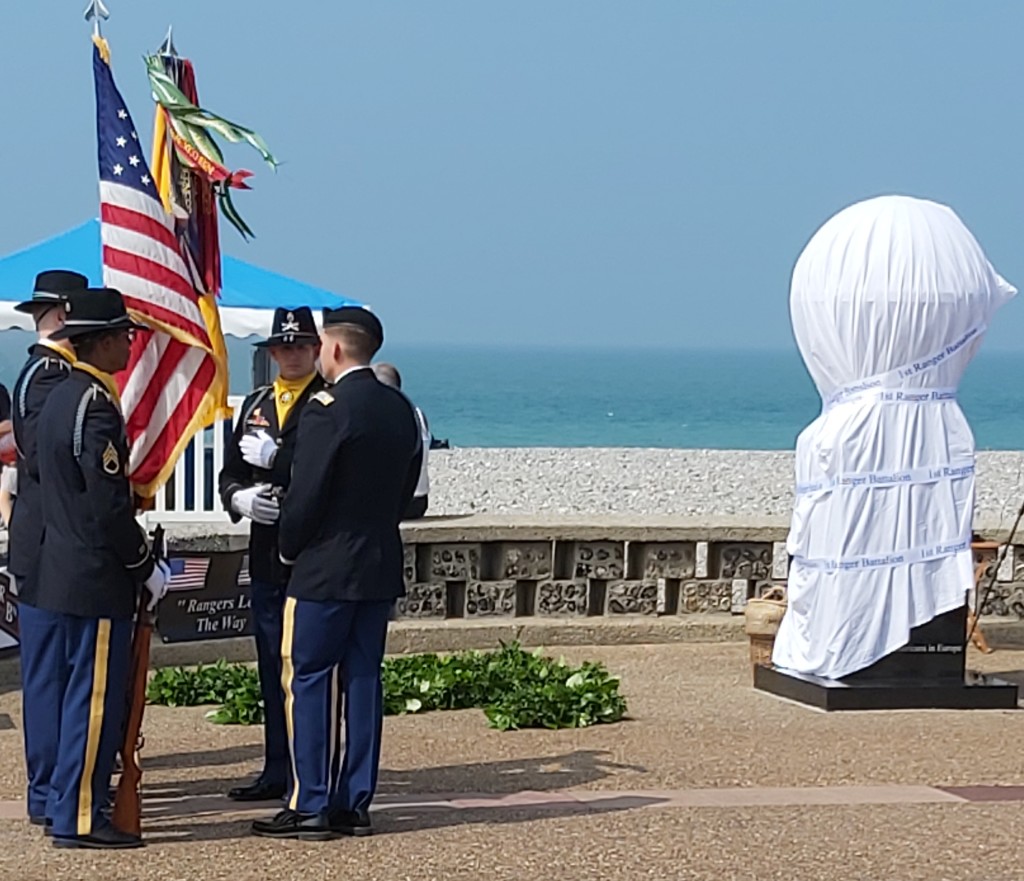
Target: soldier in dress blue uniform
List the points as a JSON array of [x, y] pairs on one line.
[[94, 558], [48, 365], [356, 465], [257, 468]]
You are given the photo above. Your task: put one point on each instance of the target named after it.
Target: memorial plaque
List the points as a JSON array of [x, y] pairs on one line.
[[208, 598]]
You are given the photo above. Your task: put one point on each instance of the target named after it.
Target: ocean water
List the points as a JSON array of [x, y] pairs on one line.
[[518, 397], [744, 400]]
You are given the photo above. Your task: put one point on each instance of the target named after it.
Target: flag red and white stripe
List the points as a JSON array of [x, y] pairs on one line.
[[143, 256], [168, 377], [166, 390]]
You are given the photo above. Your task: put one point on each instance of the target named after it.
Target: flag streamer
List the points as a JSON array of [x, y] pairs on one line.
[[190, 129]]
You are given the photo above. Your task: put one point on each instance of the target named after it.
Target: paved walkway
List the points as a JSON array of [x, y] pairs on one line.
[[706, 779]]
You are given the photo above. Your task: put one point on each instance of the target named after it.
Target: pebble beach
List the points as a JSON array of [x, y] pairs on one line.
[[630, 481]]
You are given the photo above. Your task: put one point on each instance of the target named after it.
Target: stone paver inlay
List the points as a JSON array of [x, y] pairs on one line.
[[157, 807]]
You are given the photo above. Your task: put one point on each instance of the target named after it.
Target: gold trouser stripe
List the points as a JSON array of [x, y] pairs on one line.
[[92, 742], [335, 727], [287, 675]]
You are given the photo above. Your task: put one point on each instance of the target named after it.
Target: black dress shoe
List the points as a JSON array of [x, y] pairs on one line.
[[350, 822], [102, 838], [45, 822], [258, 791], [292, 824]]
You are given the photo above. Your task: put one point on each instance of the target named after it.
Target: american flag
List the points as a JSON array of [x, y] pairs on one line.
[[244, 578], [188, 573], [166, 391]]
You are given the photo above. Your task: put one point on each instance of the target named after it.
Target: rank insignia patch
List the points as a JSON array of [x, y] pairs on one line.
[[111, 461], [324, 398]]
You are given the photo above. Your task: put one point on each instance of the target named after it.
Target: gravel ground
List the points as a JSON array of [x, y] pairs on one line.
[[694, 722], [653, 482]]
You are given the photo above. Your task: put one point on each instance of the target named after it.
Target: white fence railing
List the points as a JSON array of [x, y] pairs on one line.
[[191, 496]]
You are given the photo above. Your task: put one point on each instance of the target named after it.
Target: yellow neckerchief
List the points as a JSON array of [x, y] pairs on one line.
[[286, 393], [59, 346], [105, 378]]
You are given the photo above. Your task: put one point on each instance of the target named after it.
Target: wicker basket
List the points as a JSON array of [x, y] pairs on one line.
[[763, 616]]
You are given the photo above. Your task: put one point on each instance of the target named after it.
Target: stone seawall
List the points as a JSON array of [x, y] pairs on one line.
[[488, 567], [533, 538]]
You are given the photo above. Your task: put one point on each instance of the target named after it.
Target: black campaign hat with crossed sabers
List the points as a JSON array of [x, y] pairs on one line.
[[94, 310], [51, 289], [292, 327]]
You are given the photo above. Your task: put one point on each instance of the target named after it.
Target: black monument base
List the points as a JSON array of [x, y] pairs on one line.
[[927, 673], [976, 692]]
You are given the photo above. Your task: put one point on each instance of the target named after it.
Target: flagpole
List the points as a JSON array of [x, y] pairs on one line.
[[97, 13], [167, 50]]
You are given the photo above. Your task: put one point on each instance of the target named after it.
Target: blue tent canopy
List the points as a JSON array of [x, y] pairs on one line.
[[247, 290]]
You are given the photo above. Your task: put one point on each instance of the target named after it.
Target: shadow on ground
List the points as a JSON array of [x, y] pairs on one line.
[[1016, 677], [232, 755], [195, 808], [543, 773], [411, 819]]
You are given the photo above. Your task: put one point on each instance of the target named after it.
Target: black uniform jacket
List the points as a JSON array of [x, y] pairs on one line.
[[356, 467], [45, 369], [94, 553], [260, 412]]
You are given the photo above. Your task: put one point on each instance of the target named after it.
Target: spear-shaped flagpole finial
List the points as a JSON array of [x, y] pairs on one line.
[[167, 50], [97, 13]]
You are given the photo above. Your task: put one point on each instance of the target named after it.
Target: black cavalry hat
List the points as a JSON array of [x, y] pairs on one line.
[[52, 288], [94, 310], [292, 327], [360, 317]]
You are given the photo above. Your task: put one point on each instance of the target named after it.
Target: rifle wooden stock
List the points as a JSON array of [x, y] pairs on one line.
[[127, 813], [127, 808]]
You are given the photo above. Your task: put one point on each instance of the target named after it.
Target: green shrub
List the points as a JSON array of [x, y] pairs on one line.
[[181, 687], [514, 688]]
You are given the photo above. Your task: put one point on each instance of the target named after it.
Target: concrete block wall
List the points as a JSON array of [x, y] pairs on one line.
[[571, 578]]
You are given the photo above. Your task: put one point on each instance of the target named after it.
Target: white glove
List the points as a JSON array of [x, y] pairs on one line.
[[9, 481], [265, 510], [157, 583], [258, 508], [258, 449]]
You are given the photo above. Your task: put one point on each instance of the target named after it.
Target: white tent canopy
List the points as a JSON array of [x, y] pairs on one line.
[[889, 302]]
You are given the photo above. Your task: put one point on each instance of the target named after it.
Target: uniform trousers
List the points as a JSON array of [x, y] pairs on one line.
[[96, 654], [267, 613], [324, 645], [41, 649]]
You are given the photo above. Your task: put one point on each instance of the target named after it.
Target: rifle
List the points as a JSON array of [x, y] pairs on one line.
[[127, 811]]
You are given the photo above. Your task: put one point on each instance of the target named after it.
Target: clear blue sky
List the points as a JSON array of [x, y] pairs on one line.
[[551, 171]]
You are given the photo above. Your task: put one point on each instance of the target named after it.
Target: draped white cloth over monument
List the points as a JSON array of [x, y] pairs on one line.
[[889, 302]]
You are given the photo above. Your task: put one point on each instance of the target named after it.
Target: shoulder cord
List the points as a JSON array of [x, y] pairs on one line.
[[83, 406]]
